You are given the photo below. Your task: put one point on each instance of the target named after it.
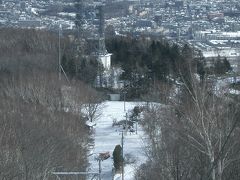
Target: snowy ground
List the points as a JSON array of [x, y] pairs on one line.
[[222, 85], [107, 137]]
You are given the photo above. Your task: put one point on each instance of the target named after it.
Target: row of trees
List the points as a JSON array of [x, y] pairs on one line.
[[146, 62], [82, 68], [195, 136]]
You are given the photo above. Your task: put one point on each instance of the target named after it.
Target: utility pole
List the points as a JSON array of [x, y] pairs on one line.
[[60, 68], [126, 124], [59, 52], [124, 96], [122, 159], [136, 125], [100, 168]]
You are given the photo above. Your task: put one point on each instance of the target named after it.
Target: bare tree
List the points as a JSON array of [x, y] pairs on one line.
[[37, 137], [93, 104], [195, 137], [210, 125]]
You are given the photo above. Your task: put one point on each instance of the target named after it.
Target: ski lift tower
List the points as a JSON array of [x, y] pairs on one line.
[[102, 55]]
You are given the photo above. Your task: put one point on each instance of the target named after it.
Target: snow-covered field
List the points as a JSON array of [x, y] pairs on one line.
[[107, 137], [222, 85]]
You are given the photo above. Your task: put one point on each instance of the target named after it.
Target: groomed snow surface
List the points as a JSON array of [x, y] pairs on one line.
[[106, 137]]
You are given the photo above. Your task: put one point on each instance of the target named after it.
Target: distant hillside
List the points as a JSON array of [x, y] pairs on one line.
[[23, 49], [42, 127]]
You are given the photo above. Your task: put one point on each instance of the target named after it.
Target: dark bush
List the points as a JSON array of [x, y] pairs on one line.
[[117, 157]]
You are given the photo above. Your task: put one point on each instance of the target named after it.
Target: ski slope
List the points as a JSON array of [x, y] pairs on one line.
[[106, 137]]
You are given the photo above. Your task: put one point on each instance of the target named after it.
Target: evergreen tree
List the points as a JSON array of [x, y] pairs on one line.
[[221, 66], [87, 70], [117, 157], [201, 70], [68, 66], [144, 61]]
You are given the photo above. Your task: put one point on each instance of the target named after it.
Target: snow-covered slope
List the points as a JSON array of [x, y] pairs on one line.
[[107, 137]]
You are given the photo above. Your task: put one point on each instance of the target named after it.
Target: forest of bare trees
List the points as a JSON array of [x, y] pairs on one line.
[[194, 136], [36, 136], [42, 125]]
